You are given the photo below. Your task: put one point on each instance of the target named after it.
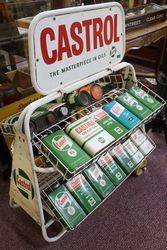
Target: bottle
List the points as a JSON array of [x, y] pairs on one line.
[[40, 120], [56, 111], [95, 90], [80, 99]]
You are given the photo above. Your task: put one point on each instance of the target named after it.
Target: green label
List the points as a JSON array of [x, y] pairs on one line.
[[108, 123], [23, 183], [134, 105], [112, 170], [66, 207], [66, 150], [84, 193], [145, 98], [99, 181]]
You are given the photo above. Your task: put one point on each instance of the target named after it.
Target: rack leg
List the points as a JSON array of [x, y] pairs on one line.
[[13, 204], [52, 239], [141, 168]]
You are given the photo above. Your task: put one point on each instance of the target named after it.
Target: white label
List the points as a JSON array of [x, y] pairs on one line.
[[117, 109]]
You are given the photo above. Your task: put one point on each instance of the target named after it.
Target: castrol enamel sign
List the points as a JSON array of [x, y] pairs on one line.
[[68, 45]]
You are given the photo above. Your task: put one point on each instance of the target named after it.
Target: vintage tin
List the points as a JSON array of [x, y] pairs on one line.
[[133, 151], [122, 115], [66, 150], [145, 98], [99, 180], [123, 159], [89, 135], [138, 137], [137, 157], [38, 121], [59, 109], [108, 123], [146, 147], [130, 147], [111, 169], [134, 105], [83, 193], [65, 207]]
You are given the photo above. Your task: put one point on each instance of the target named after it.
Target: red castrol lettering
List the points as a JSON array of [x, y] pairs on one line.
[[104, 33]]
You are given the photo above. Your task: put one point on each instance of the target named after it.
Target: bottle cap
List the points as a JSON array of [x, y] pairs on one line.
[[96, 92]]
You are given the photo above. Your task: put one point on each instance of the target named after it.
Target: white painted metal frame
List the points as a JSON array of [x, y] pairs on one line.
[[23, 124], [24, 119]]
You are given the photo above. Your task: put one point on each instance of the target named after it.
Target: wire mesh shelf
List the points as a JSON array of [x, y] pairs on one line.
[[108, 97]]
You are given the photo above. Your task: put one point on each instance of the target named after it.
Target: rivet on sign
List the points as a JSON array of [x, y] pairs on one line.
[[61, 83], [54, 18], [37, 60], [110, 9]]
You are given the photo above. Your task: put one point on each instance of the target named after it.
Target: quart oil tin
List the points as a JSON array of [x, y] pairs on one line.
[[66, 150], [133, 151], [137, 157], [121, 114], [134, 105], [146, 147], [145, 98], [98, 180], [108, 123], [138, 137], [123, 158], [130, 147], [89, 135], [83, 193], [65, 207], [111, 169]]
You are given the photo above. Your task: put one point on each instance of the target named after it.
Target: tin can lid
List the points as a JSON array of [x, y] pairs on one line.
[[96, 92], [84, 98], [51, 118]]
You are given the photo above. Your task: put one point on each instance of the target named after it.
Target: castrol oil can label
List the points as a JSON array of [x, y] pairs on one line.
[[89, 135], [65, 207], [83, 193], [145, 98], [134, 105], [123, 159], [108, 123], [122, 114], [66, 150], [111, 169], [68, 45], [99, 180]]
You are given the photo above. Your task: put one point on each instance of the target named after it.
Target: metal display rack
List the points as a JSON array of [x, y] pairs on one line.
[[34, 177]]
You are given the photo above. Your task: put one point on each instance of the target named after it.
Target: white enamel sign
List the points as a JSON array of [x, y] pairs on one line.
[[68, 45]]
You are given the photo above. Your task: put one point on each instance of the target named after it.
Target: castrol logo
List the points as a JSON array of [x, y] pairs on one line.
[[71, 44], [70, 41]]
